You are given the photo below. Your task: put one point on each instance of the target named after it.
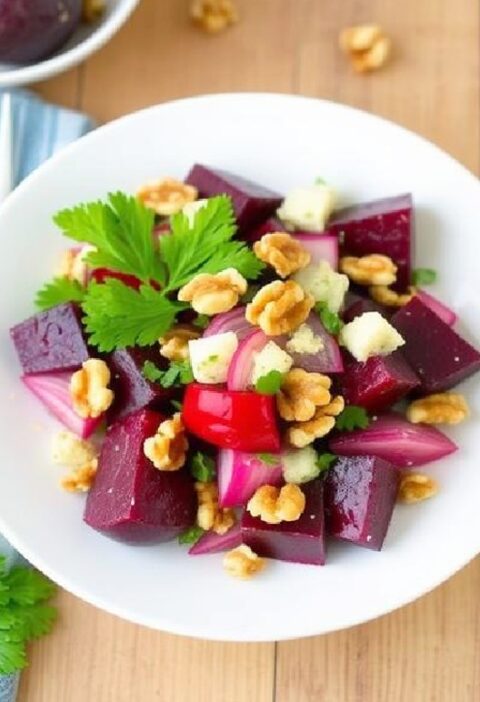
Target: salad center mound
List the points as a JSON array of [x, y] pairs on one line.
[[249, 373]]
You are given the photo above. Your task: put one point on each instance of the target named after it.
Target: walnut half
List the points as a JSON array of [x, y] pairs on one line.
[[416, 487], [440, 408], [279, 307], [281, 251], [274, 505], [301, 434], [167, 449]]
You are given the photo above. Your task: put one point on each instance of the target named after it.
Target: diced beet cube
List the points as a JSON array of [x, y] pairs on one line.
[[302, 541], [360, 306], [132, 390], [382, 226], [360, 494], [438, 355], [51, 341], [131, 500], [252, 203], [272, 224], [377, 383]]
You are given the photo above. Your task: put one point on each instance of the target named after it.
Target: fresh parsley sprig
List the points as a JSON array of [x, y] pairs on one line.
[[59, 290], [270, 383], [330, 320], [178, 373], [191, 535], [352, 417], [202, 467], [424, 276], [324, 462]]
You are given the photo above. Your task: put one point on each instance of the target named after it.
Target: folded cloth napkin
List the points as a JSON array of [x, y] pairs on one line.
[[39, 129]]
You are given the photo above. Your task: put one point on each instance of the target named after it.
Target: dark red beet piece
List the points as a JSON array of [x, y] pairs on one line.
[[51, 341], [131, 500], [252, 203], [382, 226], [359, 307], [360, 494], [302, 541], [132, 390], [271, 225], [438, 355], [378, 383]]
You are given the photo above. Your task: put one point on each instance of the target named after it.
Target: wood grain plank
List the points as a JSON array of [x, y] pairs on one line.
[[63, 89]]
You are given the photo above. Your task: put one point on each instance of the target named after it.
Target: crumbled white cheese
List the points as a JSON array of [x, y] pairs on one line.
[[370, 335], [325, 284], [308, 208], [271, 357], [191, 209], [303, 340], [70, 450], [210, 357], [300, 465]]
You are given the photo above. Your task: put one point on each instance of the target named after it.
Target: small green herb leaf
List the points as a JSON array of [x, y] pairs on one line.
[[352, 417], [203, 467], [330, 320], [268, 458], [190, 535], [179, 373], [201, 321], [12, 654], [151, 372], [59, 290], [270, 383], [424, 276], [177, 405], [324, 461]]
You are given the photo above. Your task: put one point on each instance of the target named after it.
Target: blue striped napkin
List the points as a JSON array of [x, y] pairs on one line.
[[39, 130]]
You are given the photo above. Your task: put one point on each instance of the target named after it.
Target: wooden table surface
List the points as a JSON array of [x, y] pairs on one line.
[[430, 650]]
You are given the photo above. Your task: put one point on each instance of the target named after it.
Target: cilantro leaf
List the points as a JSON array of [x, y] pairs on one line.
[[3, 562], [151, 372], [270, 383], [27, 586], [324, 461], [34, 621], [121, 232], [424, 276], [119, 316], [352, 417], [203, 467], [330, 320], [190, 535], [179, 373], [12, 654], [57, 291], [268, 459]]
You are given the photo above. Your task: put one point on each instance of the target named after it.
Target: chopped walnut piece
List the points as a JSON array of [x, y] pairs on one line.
[[366, 45], [279, 307], [213, 294], [166, 196], [416, 487], [373, 269], [440, 408], [274, 505], [92, 10], [70, 450], [301, 393], [209, 514], [284, 253], [174, 344], [89, 390], [213, 15], [168, 447], [242, 562], [301, 434], [385, 296], [81, 478]]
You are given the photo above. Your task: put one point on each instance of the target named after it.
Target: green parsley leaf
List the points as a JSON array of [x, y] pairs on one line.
[[203, 467], [352, 417], [201, 321], [12, 654], [57, 291], [151, 372], [119, 316], [270, 383], [121, 231], [424, 276], [207, 247], [330, 320], [34, 621], [190, 535], [27, 586], [268, 458], [324, 461], [178, 373]]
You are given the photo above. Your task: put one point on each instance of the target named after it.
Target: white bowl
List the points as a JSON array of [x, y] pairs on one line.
[[85, 41], [279, 141]]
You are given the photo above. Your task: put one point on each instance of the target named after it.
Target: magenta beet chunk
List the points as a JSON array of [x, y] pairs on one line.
[[131, 500], [302, 541], [360, 306], [382, 226], [272, 224], [51, 341], [378, 383], [360, 494], [437, 354], [252, 203], [132, 390]]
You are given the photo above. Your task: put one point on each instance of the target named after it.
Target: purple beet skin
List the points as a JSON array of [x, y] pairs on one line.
[[378, 383], [272, 224], [51, 341], [360, 494], [382, 226], [132, 390], [302, 541], [253, 203], [131, 500], [438, 355]]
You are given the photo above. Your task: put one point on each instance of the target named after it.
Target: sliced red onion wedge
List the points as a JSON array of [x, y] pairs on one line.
[[53, 390], [240, 474], [327, 360], [216, 543], [229, 321], [322, 247], [241, 365], [445, 313], [394, 439]]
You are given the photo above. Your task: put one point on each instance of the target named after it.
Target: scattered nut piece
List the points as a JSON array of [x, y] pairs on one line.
[[81, 478], [166, 196], [212, 294], [366, 45], [279, 307], [441, 408], [72, 264], [92, 10], [359, 38], [70, 450], [274, 505], [167, 449], [373, 269], [284, 253], [416, 487], [242, 562], [209, 514], [301, 434], [213, 15], [89, 389], [174, 344], [385, 296], [301, 393]]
